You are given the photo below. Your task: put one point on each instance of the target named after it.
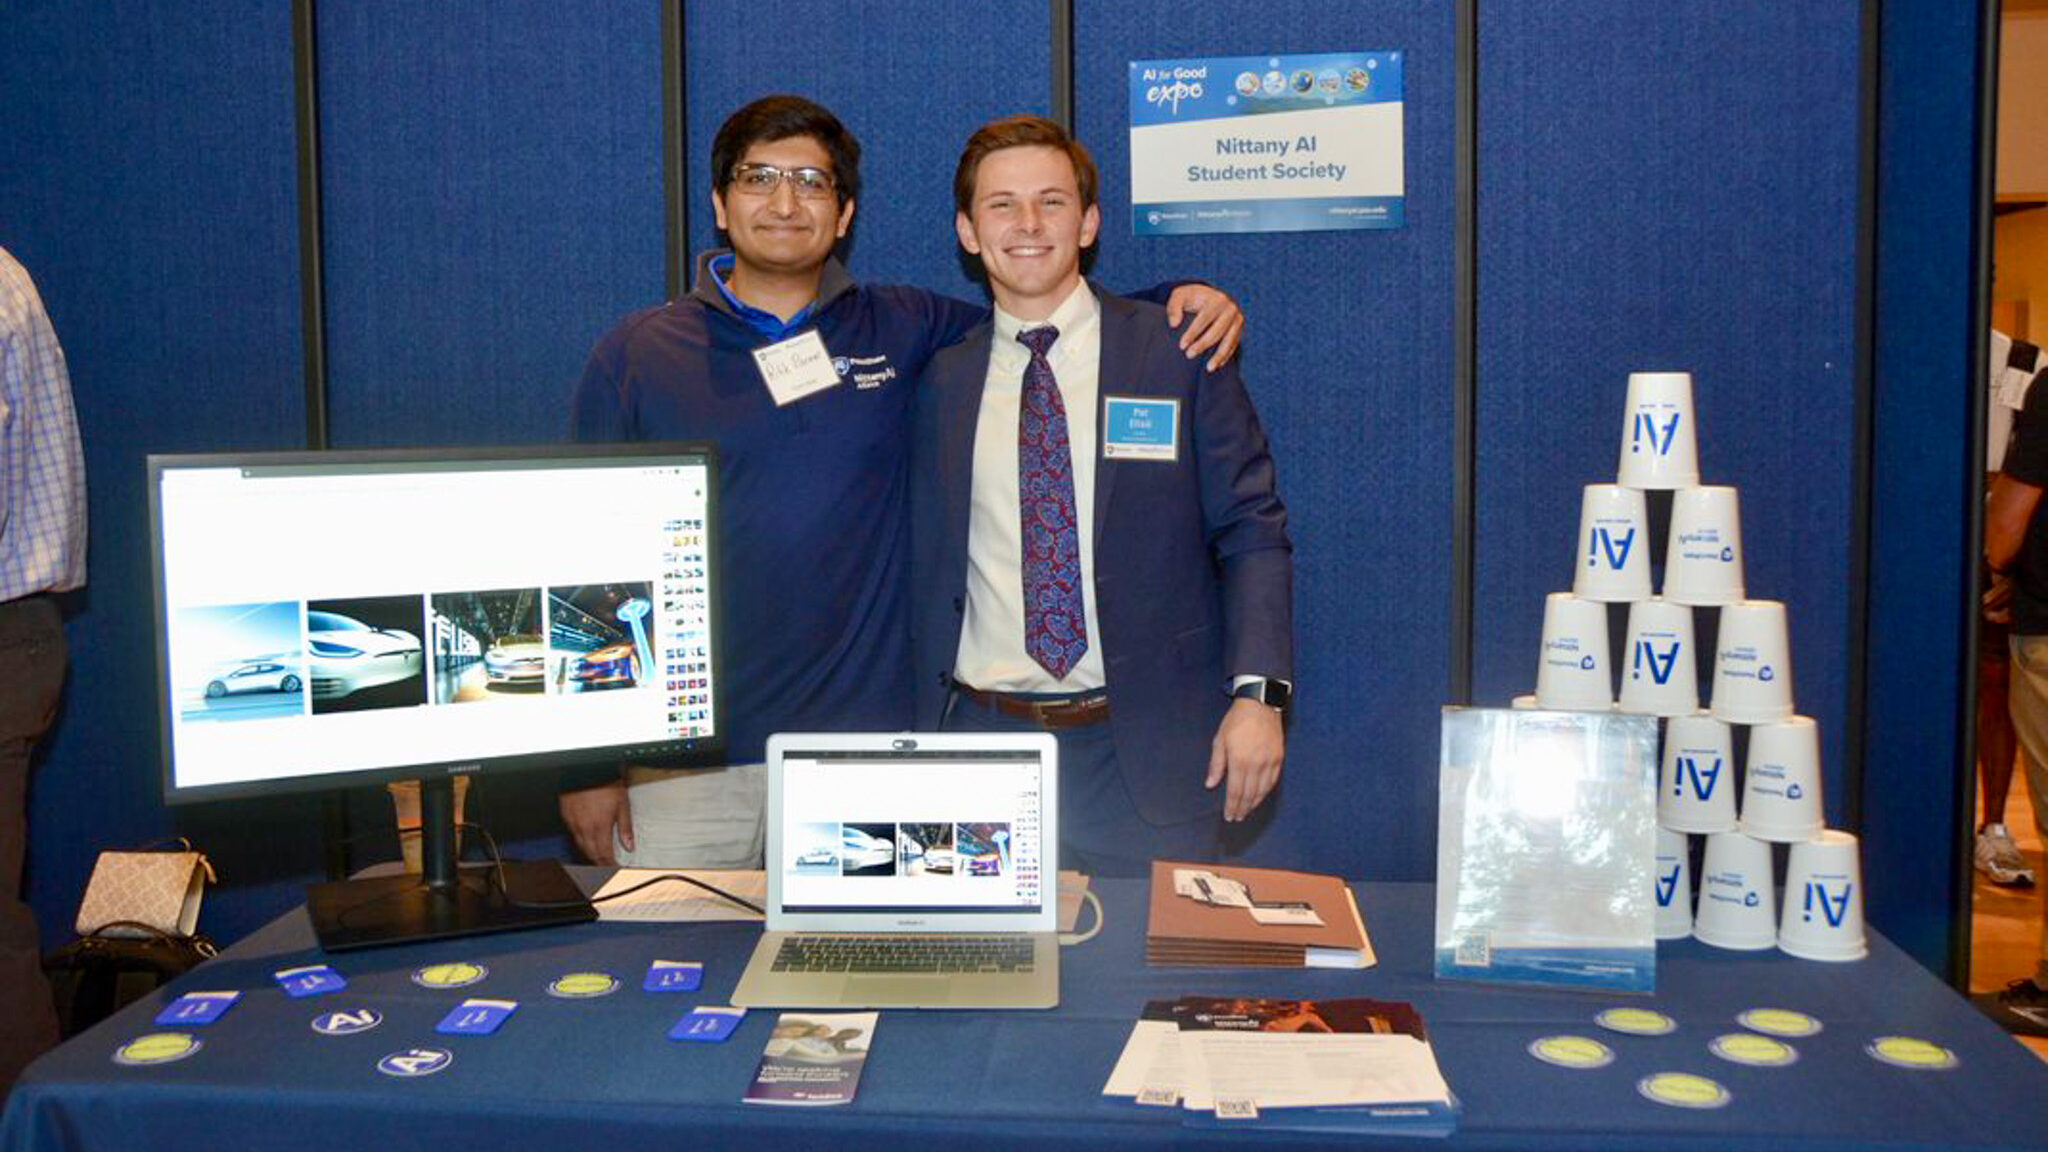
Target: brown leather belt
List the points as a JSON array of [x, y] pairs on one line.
[[1067, 712]]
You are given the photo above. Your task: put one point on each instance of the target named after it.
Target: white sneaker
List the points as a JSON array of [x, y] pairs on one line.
[[1999, 859]]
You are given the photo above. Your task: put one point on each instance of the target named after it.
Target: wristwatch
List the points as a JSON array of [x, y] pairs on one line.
[[1274, 694]]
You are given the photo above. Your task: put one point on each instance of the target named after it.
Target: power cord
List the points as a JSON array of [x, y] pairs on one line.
[[1069, 939], [498, 872]]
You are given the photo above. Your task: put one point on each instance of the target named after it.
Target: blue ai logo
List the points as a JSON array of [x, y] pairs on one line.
[[1667, 885], [1587, 662], [1603, 544], [1658, 664], [1794, 792], [1703, 780], [1832, 907], [1645, 433], [1750, 899], [1765, 674], [1728, 555]]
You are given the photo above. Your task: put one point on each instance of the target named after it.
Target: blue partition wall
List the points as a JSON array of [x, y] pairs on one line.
[[492, 191], [1348, 356], [1670, 191], [1656, 189], [146, 182]]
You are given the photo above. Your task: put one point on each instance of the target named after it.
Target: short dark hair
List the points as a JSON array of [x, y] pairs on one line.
[[1020, 131], [778, 118]]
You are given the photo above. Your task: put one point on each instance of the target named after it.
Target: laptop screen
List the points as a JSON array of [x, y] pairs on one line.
[[919, 830]]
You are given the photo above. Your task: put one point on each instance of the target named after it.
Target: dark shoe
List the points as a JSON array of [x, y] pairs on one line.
[[2022, 1009]]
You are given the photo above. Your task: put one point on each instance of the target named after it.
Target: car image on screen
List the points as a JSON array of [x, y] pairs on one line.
[[260, 677], [608, 667], [348, 655], [517, 659]]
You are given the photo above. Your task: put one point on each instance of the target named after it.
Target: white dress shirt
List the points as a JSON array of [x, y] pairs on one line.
[[991, 655]]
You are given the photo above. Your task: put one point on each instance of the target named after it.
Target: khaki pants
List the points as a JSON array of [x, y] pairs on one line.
[[2028, 701], [697, 817]]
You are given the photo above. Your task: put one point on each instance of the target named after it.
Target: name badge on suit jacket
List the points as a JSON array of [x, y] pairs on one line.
[[1140, 428]]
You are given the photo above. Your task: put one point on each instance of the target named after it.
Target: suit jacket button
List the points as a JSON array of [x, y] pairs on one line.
[[959, 605]]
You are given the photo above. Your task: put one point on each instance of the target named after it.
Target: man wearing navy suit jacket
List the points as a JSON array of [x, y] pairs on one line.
[[1099, 548]]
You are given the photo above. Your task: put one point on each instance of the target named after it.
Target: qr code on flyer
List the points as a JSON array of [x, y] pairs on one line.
[[1474, 951]]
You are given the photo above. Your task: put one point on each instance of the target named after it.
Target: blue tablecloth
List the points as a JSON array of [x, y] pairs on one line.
[[601, 1074]]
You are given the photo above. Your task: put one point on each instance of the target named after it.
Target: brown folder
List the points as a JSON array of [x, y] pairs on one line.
[[1184, 932]]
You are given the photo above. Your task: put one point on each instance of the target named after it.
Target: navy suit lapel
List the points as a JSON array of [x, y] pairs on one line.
[[960, 414], [1124, 342]]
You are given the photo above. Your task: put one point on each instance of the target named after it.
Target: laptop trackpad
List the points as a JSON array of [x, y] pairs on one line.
[[899, 991]]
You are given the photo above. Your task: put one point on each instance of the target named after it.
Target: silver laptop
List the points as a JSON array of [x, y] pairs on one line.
[[910, 870]]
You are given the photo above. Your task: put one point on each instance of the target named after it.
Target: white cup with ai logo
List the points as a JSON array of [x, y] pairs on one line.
[[1823, 917], [1781, 781], [1674, 885], [1753, 664], [1703, 551], [1614, 545], [1737, 905], [1659, 674], [1659, 447], [1573, 673], [1696, 775]]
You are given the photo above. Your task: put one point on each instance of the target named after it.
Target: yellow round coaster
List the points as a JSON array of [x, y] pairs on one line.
[[1778, 1022], [1756, 1051], [1683, 1090], [449, 975], [157, 1048], [1911, 1052], [1572, 1052], [583, 985], [1636, 1021]]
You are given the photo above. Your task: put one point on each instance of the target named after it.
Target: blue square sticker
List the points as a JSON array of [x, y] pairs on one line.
[[197, 1008], [312, 980], [1140, 428], [476, 1017], [707, 1025], [674, 976]]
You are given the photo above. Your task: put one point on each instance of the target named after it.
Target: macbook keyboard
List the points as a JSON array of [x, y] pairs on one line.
[[949, 953]]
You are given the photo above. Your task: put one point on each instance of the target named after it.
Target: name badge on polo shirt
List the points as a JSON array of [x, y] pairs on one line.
[[1140, 428], [796, 367]]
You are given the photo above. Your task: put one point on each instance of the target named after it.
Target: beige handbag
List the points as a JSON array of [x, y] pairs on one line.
[[145, 892]]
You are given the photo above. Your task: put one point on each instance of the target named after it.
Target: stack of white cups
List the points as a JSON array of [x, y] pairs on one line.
[[1751, 686]]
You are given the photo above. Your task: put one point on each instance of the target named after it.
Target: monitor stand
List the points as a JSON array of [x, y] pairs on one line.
[[444, 900]]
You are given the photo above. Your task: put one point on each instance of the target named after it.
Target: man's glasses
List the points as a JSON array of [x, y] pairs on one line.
[[761, 179]]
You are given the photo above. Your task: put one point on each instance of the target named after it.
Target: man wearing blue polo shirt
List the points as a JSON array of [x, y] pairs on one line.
[[813, 471]]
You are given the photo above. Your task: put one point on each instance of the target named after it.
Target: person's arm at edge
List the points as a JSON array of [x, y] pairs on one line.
[[2006, 517]]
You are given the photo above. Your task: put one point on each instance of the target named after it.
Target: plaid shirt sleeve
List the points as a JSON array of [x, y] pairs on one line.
[[42, 469]]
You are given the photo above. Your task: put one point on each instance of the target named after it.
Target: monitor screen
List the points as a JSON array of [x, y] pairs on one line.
[[341, 618]]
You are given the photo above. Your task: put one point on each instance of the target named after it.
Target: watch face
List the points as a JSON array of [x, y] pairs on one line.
[[1272, 693]]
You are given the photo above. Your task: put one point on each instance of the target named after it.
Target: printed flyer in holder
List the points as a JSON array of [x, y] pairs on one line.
[[1546, 841], [813, 1058], [1298, 143]]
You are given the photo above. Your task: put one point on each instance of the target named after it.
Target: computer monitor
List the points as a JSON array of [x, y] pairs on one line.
[[330, 619]]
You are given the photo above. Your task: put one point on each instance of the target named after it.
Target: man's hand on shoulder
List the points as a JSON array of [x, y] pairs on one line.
[[1248, 750], [1214, 322], [591, 814]]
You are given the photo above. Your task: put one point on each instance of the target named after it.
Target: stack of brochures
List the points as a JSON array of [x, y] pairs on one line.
[[1350, 1065], [1209, 915]]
